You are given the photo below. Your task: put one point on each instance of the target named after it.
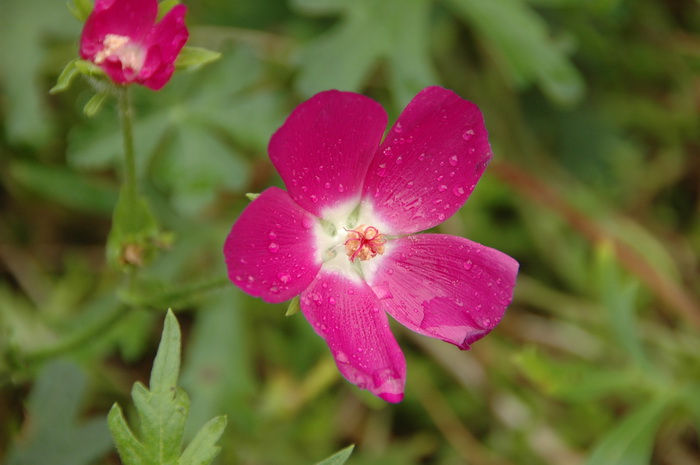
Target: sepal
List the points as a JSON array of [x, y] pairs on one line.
[[195, 57]]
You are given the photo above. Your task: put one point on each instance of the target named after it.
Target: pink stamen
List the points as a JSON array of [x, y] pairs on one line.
[[364, 243]]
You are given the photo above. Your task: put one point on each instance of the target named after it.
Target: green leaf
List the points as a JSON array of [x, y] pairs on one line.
[[55, 436], [294, 307], [339, 458], [95, 103], [162, 412], [203, 447], [65, 78], [134, 231], [89, 69], [250, 196], [165, 6], [64, 186], [631, 441], [81, 9], [520, 38], [195, 57]]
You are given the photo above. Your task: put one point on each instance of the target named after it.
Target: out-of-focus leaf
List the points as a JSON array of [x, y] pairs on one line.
[[95, 103], [81, 9], [64, 186], [618, 297], [165, 6], [631, 441], [339, 458], [195, 57], [217, 370], [25, 26], [520, 38], [98, 144], [55, 436], [573, 381], [320, 7], [196, 164]]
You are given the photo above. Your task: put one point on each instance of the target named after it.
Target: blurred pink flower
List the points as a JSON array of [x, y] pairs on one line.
[[123, 38], [342, 235]]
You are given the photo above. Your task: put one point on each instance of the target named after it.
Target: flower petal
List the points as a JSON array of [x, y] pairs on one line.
[[429, 163], [445, 287], [324, 147], [270, 251], [349, 317], [130, 18], [164, 42]]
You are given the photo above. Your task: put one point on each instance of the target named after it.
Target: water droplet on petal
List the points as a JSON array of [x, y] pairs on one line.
[[454, 160], [341, 188], [273, 247], [272, 235], [458, 191], [341, 357], [441, 216], [468, 265], [399, 160], [468, 134], [284, 277], [313, 198], [442, 188], [307, 222], [381, 171], [327, 185], [398, 127], [421, 157]]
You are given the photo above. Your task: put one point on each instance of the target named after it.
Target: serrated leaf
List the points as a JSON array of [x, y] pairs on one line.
[[162, 411], [55, 436], [203, 448], [339, 458], [195, 57], [631, 441], [294, 307]]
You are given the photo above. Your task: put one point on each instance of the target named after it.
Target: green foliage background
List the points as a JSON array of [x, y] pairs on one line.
[[593, 109]]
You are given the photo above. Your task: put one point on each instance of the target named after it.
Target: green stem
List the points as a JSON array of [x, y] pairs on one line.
[[126, 116]]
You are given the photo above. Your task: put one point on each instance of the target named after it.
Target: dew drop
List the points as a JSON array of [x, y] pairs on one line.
[[381, 171], [284, 277], [458, 191], [313, 198], [341, 188], [273, 247], [468, 265], [327, 185], [341, 357], [399, 160], [307, 222], [468, 134], [454, 160], [441, 216], [409, 184], [442, 188], [421, 157], [398, 127], [272, 236]]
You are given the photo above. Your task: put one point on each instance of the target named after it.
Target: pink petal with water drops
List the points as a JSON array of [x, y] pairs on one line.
[[324, 147], [445, 287], [130, 18], [429, 163], [270, 251], [163, 43], [349, 317]]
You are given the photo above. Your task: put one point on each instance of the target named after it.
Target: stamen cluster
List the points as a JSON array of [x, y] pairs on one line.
[[364, 242]]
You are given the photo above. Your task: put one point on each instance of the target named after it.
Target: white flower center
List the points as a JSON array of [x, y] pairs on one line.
[[131, 55], [349, 240]]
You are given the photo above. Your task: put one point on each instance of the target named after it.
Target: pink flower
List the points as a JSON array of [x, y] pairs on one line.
[[123, 38], [342, 235]]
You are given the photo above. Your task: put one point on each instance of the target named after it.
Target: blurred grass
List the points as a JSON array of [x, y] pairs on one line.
[[593, 110]]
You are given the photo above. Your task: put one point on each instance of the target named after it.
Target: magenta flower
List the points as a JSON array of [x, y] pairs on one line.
[[123, 38], [343, 234]]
